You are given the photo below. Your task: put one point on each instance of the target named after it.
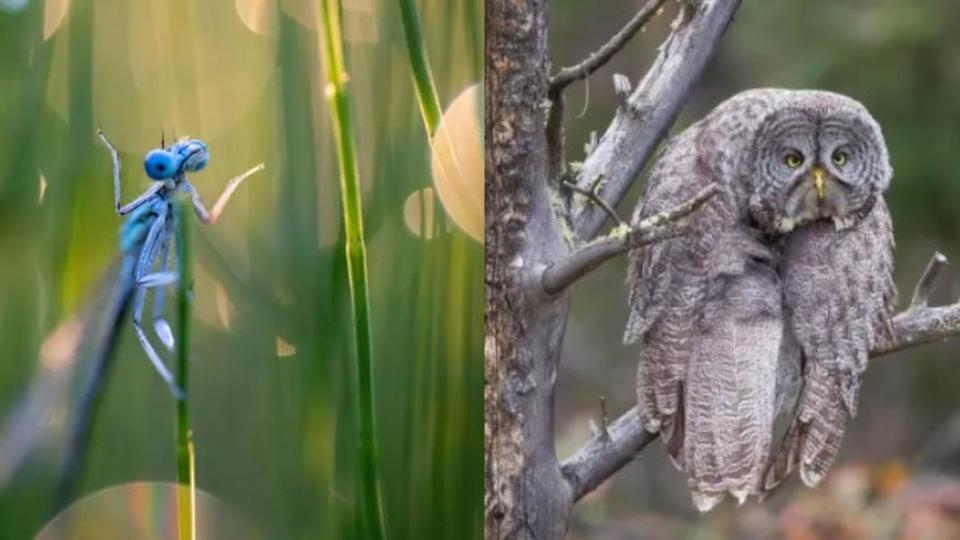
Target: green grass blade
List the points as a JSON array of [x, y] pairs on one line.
[[339, 100], [186, 508], [420, 67]]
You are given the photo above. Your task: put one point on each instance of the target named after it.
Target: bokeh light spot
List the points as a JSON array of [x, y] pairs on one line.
[[42, 189], [418, 213], [360, 23], [13, 6], [57, 350], [144, 81], [285, 349], [457, 162], [145, 511], [224, 306], [302, 11], [54, 11], [257, 15]]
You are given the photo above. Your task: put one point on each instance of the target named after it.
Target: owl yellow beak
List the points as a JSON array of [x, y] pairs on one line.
[[818, 175]]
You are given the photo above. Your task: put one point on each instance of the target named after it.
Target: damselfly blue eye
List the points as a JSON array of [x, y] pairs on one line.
[[161, 165]]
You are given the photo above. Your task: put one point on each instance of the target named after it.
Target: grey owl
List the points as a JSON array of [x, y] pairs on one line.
[[755, 326]]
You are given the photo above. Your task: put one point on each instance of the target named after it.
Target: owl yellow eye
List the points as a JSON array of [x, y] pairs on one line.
[[792, 160], [839, 158]]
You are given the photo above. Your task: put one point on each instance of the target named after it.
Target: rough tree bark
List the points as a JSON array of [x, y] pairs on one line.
[[542, 226], [524, 327]]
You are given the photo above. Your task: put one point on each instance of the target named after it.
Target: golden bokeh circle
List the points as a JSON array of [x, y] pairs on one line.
[[418, 213], [457, 161]]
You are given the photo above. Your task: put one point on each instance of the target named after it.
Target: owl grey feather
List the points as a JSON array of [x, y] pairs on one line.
[[839, 293], [769, 304]]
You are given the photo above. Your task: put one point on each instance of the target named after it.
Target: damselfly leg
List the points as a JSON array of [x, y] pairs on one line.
[[214, 214], [145, 251], [151, 246], [159, 280], [146, 235], [115, 162]]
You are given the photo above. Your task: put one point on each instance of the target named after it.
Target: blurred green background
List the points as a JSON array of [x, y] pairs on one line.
[[902, 60], [271, 394]]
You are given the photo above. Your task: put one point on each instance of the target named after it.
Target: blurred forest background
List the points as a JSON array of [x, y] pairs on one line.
[[895, 474], [271, 391]]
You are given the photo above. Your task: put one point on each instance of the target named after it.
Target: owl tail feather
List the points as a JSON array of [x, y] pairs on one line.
[[708, 500], [717, 463], [785, 461], [672, 432], [672, 435], [810, 445], [821, 444]]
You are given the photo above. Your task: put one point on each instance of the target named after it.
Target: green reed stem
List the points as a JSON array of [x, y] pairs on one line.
[[339, 100], [420, 67], [186, 504]]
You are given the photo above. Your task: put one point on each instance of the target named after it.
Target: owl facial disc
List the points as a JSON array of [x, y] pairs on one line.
[[813, 160], [816, 194]]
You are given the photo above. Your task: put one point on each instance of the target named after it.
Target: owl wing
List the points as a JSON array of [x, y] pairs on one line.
[[654, 269], [839, 297], [706, 307], [666, 283]]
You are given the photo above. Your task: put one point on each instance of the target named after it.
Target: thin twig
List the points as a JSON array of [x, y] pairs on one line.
[[594, 196], [586, 258], [554, 124], [921, 294], [597, 460], [601, 56], [638, 128], [604, 420], [683, 209]]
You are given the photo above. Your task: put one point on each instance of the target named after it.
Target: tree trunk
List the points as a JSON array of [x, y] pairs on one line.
[[526, 494]]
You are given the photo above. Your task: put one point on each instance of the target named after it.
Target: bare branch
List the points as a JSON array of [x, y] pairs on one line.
[[638, 128], [566, 76], [595, 197], [601, 457], [595, 61], [587, 258], [920, 326], [604, 431], [921, 294], [598, 460], [582, 260]]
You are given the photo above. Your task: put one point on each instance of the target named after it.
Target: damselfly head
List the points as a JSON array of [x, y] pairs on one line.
[[162, 164]]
